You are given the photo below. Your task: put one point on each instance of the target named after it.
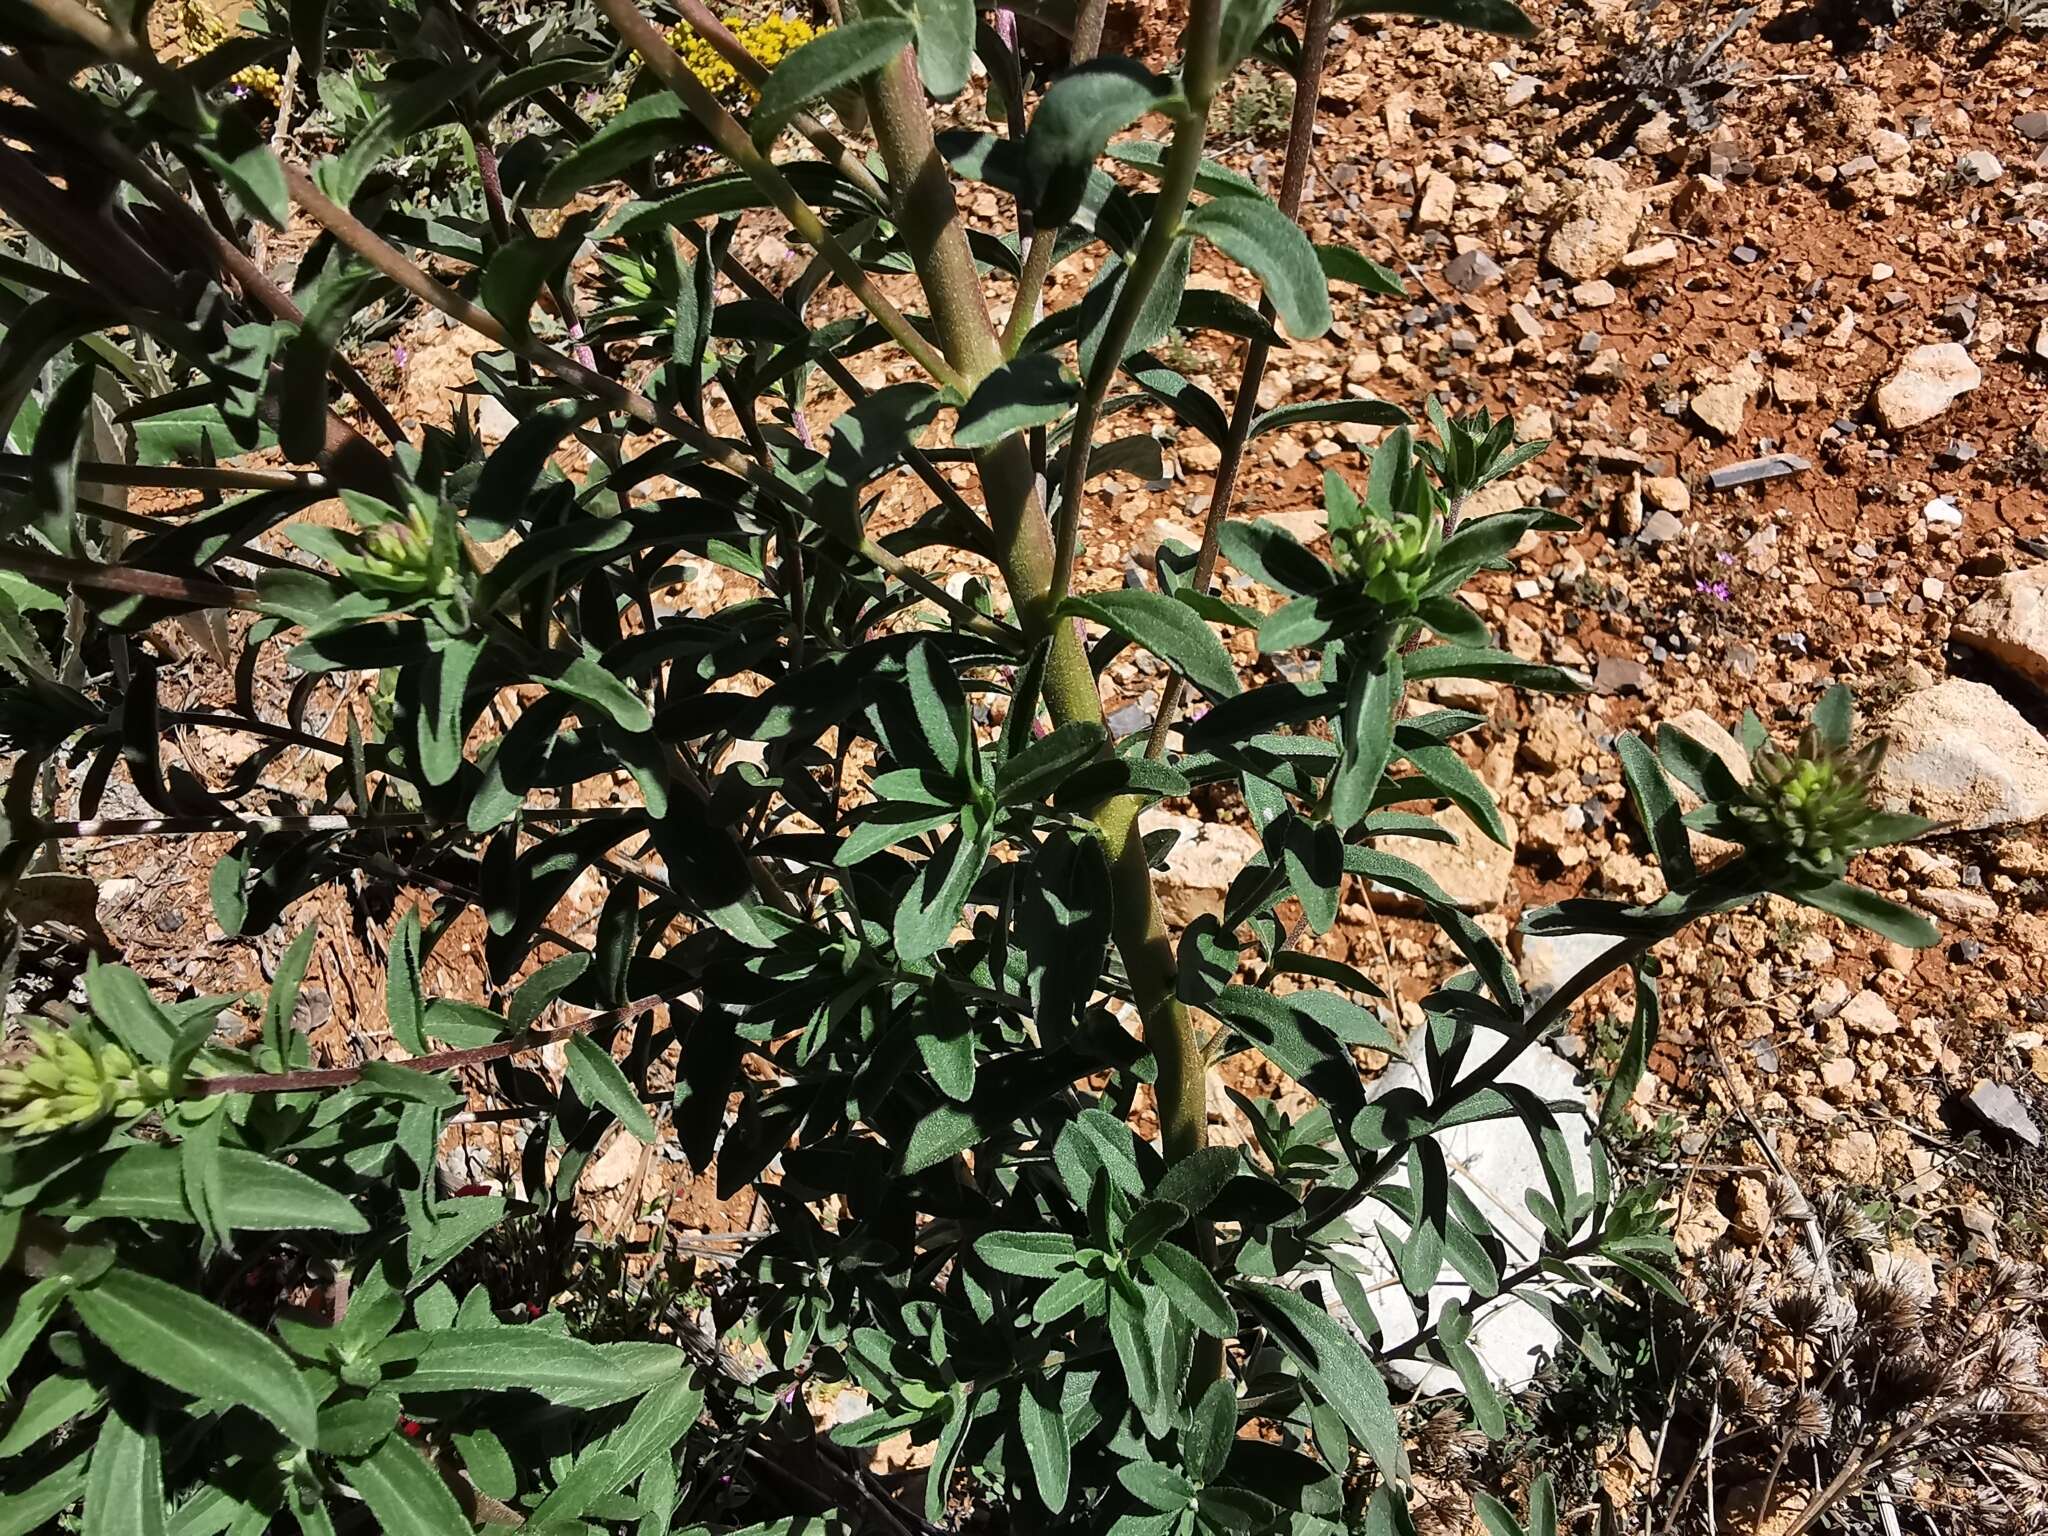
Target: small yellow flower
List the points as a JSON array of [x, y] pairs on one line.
[[771, 40], [259, 80]]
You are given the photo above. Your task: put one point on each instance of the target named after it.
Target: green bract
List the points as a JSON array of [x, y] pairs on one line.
[[399, 558], [1390, 563], [66, 1084], [1814, 805]]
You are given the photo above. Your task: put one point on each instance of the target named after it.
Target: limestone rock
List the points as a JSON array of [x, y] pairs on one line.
[[1721, 407], [1548, 963], [1959, 753], [1751, 1223], [1667, 493], [1927, 383], [1557, 738], [1472, 871], [1597, 226], [1433, 205], [1200, 865], [2011, 625]]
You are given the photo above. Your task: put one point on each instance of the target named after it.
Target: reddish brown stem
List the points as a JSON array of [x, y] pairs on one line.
[[441, 1061]]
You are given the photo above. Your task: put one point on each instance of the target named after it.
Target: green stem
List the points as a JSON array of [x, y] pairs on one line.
[[1245, 408], [1176, 185], [922, 198]]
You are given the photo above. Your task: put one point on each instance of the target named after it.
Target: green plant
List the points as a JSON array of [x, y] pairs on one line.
[[889, 939], [1261, 108]]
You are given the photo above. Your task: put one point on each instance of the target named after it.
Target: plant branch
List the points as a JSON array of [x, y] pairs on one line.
[[195, 826], [188, 477], [1245, 407], [732, 141], [707, 25], [441, 1061], [63, 571], [381, 255], [59, 102]]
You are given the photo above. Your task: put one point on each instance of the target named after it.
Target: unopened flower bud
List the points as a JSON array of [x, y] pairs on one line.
[[61, 1084]]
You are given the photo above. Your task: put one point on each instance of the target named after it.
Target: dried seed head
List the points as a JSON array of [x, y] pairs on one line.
[[1888, 1306], [1805, 1313], [1445, 1438], [1807, 1419]]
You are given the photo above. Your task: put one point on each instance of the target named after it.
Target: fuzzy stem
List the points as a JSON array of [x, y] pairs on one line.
[[1245, 408], [1040, 244], [63, 571], [930, 220], [441, 1061], [1176, 186]]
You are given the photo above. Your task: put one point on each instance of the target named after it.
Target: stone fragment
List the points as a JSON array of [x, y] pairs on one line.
[[1433, 204], [1597, 224], [1867, 1013], [1721, 408], [1474, 271], [1667, 493], [1647, 258], [1960, 753], [1928, 382], [1792, 389], [1772, 466], [1203, 861], [1751, 1223], [1620, 674], [1853, 1154], [2010, 625], [1473, 871], [1981, 167], [2031, 125], [2003, 1111]]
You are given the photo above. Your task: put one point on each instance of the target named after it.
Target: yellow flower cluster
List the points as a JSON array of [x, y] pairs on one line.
[[205, 31], [259, 80], [771, 40]]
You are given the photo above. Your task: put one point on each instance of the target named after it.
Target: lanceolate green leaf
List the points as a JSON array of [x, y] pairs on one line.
[[835, 58], [406, 1494], [256, 1193], [644, 128], [1166, 627], [945, 45], [1043, 1430], [1635, 1053], [1029, 392], [124, 1481], [598, 1078], [1331, 1358], [1252, 232], [1867, 909], [185, 1342], [1074, 120]]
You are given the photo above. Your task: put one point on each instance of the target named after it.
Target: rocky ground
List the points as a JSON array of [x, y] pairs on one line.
[[1774, 284]]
